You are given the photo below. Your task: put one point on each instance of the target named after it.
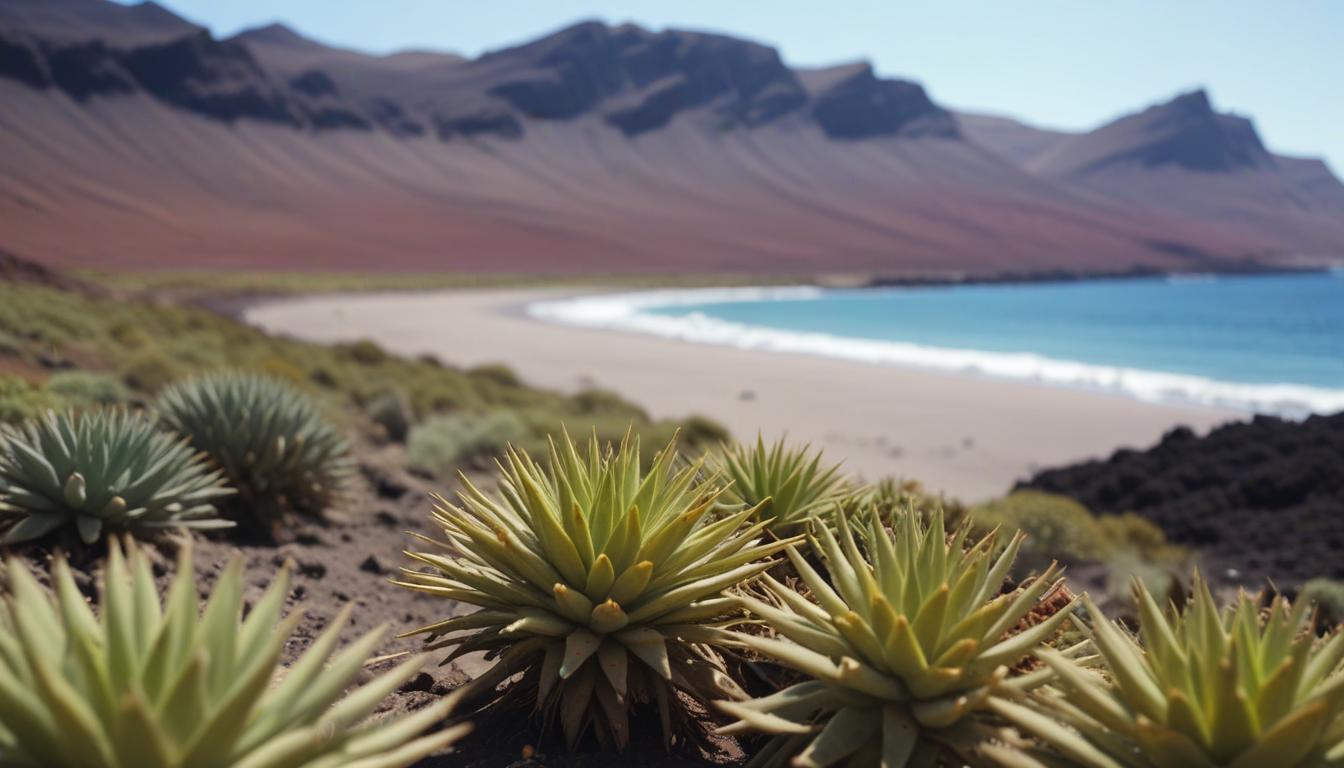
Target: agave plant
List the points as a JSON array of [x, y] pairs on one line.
[[1197, 688], [902, 648], [596, 581], [267, 437], [788, 486], [146, 685], [102, 469]]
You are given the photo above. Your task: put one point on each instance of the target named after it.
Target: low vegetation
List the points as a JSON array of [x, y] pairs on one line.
[[902, 644], [609, 588], [146, 345], [99, 470], [596, 582], [1199, 686], [269, 440], [150, 685], [789, 486]]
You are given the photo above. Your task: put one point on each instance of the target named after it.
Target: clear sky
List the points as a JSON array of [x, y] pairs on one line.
[[1055, 63]]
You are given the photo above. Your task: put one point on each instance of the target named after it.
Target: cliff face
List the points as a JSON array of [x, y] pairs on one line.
[[137, 137]]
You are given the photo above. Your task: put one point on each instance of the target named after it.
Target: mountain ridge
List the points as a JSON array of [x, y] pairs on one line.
[[614, 148]]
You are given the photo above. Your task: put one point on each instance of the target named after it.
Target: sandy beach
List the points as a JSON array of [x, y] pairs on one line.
[[968, 436]]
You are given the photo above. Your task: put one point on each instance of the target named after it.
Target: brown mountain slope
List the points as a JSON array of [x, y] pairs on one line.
[[597, 148]]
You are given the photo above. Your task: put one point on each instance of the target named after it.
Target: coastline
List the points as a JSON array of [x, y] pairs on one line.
[[969, 436]]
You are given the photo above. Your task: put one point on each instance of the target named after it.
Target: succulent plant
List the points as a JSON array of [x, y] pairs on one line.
[[789, 486], [902, 647], [597, 581], [1197, 688], [146, 685], [102, 469], [269, 439]]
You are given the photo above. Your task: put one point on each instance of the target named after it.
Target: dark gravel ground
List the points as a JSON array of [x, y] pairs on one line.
[[1262, 499]]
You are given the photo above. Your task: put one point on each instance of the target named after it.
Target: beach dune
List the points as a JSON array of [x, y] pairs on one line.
[[968, 436]]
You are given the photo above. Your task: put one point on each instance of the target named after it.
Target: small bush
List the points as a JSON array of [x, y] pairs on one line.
[[20, 400], [149, 371], [1056, 526], [598, 589], [102, 469], [498, 374], [269, 439], [788, 485], [364, 352], [390, 411], [1328, 596], [84, 388], [149, 682], [441, 444]]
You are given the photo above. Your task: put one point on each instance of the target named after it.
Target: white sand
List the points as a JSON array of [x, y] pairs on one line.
[[971, 437]]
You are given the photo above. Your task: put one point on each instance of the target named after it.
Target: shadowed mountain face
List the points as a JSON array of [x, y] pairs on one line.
[[1183, 133], [1184, 157], [137, 137]]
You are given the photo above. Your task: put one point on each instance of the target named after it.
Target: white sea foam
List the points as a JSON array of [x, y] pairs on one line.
[[629, 312]]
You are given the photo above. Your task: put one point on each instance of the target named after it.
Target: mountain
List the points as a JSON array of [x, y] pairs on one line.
[[133, 137], [1183, 156]]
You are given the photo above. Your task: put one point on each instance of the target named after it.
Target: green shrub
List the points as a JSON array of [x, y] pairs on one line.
[[86, 388], [20, 400], [441, 444], [148, 371], [155, 684], [102, 469], [1056, 526], [390, 411], [598, 587], [1059, 528], [268, 438], [1328, 596], [496, 375], [789, 486], [364, 352], [902, 645], [1200, 685]]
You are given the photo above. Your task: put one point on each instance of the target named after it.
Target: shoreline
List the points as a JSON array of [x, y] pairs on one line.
[[676, 313], [969, 436]]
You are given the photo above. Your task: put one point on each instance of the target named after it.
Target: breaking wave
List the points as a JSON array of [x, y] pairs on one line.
[[630, 312]]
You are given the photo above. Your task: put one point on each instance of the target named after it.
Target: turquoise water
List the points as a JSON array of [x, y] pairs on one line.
[[1265, 343]]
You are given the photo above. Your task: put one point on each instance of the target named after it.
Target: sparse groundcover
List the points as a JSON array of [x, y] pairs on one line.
[[85, 473], [598, 583], [150, 684], [443, 444]]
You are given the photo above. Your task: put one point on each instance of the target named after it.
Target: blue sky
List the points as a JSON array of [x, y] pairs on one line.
[[1060, 63]]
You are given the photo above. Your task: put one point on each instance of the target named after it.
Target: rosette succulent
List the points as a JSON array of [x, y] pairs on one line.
[[267, 437], [788, 486], [598, 582], [151, 685], [102, 469], [1197, 688], [903, 646]]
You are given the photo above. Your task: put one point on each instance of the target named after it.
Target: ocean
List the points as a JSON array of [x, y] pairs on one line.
[[1264, 344]]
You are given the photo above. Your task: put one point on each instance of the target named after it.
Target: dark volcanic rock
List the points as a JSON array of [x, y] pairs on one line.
[[90, 69], [216, 78], [861, 106], [1264, 497], [19, 60]]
